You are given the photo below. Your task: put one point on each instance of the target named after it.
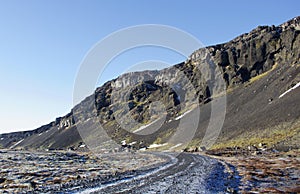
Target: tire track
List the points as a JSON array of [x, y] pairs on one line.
[[185, 173]]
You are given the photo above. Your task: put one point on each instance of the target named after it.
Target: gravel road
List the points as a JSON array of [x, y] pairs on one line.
[[185, 173]]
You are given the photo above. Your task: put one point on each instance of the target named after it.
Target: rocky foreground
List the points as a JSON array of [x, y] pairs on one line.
[[48, 172], [264, 172], [146, 172], [123, 172]]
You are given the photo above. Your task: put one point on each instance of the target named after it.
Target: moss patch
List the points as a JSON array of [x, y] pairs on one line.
[[258, 77]]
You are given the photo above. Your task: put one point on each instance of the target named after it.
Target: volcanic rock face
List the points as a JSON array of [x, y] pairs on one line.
[[256, 52], [132, 95]]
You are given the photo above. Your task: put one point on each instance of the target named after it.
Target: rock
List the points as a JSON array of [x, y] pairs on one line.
[[230, 190], [256, 153], [203, 149], [2, 180], [252, 148], [33, 184]]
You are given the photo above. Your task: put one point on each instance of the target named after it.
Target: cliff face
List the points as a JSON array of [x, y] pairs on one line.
[[264, 52], [256, 52]]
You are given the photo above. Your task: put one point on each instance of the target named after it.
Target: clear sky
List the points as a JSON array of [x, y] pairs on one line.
[[43, 42]]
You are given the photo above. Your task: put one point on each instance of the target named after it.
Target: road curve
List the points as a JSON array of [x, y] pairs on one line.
[[184, 173]]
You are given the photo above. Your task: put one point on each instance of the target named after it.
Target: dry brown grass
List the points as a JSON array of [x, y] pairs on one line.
[[269, 137]]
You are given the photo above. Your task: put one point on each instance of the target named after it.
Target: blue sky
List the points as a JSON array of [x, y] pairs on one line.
[[43, 42]]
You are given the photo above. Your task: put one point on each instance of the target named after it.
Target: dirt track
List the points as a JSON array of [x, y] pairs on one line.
[[185, 173]]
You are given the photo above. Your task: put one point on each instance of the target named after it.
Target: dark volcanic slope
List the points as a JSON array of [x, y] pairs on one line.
[[257, 68]]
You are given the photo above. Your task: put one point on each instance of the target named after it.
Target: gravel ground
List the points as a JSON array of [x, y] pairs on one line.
[[124, 172], [61, 172], [186, 173]]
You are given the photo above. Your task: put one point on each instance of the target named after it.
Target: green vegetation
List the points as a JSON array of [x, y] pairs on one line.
[[267, 137], [258, 77], [158, 141], [194, 143]]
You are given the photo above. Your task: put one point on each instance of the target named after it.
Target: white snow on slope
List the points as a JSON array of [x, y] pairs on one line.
[[156, 145], [145, 126], [175, 146], [13, 146], [284, 93], [179, 117]]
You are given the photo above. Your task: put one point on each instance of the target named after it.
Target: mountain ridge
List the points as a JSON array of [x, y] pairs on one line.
[[244, 60]]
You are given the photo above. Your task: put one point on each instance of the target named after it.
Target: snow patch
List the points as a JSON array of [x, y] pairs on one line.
[[175, 146], [40, 134], [284, 93], [157, 145], [179, 117], [13, 146], [2, 138], [82, 146], [123, 142], [132, 143], [145, 126]]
